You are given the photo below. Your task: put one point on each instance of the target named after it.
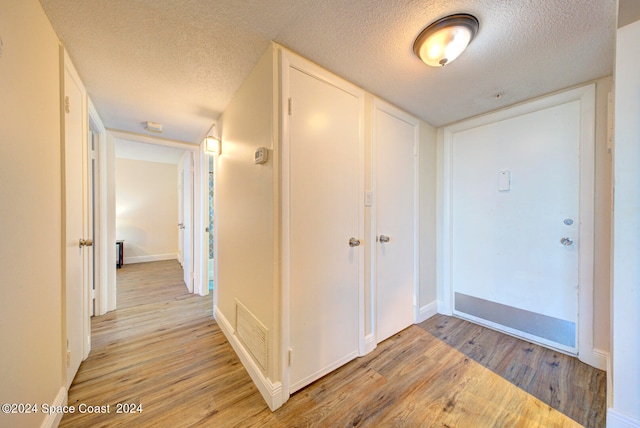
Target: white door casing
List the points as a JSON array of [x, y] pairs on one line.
[[510, 253], [395, 145], [187, 220], [322, 208], [77, 255]]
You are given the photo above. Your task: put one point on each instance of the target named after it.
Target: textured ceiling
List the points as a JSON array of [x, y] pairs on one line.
[[180, 62]]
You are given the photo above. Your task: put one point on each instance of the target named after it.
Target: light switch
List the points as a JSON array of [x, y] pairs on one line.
[[504, 181]]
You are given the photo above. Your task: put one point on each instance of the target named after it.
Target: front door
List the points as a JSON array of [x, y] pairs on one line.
[[516, 223]]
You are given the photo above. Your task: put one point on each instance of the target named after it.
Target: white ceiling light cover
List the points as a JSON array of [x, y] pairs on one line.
[[444, 40]]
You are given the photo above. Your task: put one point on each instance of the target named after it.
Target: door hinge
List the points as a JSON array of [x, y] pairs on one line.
[[289, 357], [67, 104], [290, 107]]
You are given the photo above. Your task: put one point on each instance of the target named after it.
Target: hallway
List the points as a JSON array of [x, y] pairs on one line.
[[162, 353]]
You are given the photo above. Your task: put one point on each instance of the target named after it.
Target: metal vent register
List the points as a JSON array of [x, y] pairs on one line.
[[252, 334]]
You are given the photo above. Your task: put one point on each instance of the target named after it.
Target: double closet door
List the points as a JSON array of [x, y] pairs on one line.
[[323, 221]]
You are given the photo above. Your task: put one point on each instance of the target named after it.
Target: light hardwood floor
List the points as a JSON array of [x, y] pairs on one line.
[[163, 351]]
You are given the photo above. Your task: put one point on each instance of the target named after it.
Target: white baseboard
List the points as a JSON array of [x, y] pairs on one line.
[[618, 420], [52, 420], [595, 358], [427, 311], [152, 258], [444, 308], [369, 344], [271, 392]]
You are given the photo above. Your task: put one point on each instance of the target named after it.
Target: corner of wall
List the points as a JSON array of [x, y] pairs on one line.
[[272, 392]]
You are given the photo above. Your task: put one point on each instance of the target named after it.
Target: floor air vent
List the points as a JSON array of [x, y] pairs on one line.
[[252, 334]]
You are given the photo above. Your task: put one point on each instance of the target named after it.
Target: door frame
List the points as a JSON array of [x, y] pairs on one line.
[[381, 105], [286, 61], [199, 203], [99, 233], [586, 96], [186, 169]]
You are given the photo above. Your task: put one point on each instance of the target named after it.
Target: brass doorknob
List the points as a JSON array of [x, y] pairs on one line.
[[85, 242]]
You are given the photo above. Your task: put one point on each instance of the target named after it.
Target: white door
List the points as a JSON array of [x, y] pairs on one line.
[[187, 221], [76, 227], [325, 185], [516, 223], [181, 213], [395, 148]]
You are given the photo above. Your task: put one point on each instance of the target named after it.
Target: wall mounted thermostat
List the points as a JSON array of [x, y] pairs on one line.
[[261, 155]]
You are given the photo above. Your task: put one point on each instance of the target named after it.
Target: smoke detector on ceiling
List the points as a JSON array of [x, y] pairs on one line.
[[153, 127]]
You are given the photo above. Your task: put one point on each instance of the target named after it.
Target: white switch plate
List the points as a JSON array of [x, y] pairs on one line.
[[368, 199], [504, 181]]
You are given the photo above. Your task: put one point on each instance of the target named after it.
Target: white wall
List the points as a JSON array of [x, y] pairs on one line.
[[31, 363], [602, 217], [147, 209], [244, 205], [625, 396], [427, 221]]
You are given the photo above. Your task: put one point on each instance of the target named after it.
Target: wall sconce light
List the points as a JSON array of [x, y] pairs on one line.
[[444, 40], [213, 145]]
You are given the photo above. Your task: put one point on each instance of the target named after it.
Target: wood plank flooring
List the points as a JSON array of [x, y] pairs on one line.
[[162, 350]]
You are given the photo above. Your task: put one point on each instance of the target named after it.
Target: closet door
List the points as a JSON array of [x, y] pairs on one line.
[[395, 141], [324, 224]]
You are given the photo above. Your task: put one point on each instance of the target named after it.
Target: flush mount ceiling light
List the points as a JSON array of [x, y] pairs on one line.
[[153, 127], [444, 40]]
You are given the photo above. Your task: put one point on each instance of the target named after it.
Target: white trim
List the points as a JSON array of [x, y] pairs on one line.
[[100, 233], [616, 419], [271, 392], [289, 60], [160, 141], [150, 258], [586, 96], [427, 311], [52, 420], [369, 343], [599, 358]]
